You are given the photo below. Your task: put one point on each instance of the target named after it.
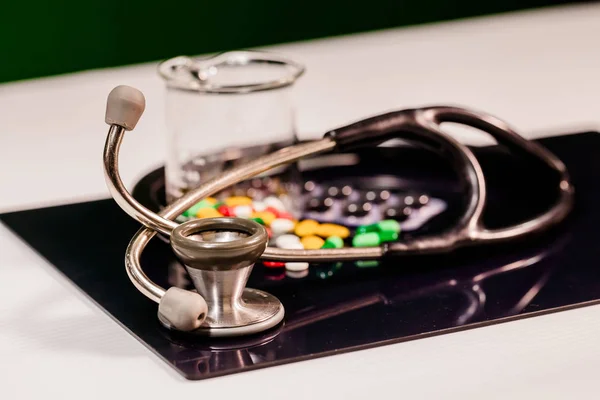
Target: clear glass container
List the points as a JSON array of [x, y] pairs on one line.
[[225, 110]]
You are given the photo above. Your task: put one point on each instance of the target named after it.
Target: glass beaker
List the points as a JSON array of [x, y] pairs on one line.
[[225, 110]]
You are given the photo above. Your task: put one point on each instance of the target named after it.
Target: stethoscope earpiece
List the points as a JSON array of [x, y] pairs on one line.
[[124, 107]]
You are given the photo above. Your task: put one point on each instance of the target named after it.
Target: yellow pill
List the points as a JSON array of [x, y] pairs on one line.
[[208, 212], [266, 216], [235, 201], [211, 200], [326, 230], [312, 242], [306, 227]]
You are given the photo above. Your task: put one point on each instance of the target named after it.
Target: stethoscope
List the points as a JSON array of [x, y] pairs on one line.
[[219, 253]]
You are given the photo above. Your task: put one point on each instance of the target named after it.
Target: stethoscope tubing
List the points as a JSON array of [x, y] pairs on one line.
[[420, 126]]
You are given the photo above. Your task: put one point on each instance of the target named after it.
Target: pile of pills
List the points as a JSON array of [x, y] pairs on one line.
[[286, 232]]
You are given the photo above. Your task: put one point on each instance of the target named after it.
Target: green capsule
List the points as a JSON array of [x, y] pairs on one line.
[[388, 236], [333, 242], [366, 229], [388, 225], [370, 239], [193, 210], [367, 264], [259, 220]]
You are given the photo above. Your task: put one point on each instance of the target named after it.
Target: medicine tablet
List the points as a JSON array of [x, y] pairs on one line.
[[285, 241], [274, 202], [238, 201], [242, 211], [279, 226], [296, 266]]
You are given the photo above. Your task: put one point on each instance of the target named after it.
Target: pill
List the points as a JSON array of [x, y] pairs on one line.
[[366, 228], [234, 201], [266, 216], [274, 202], [275, 277], [367, 264], [193, 210], [258, 220], [296, 266], [211, 200], [269, 232], [387, 236], [226, 210], [273, 210], [333, 242], [388, 225], [284, 241], [273, 264], [259, 206], [326, 230], [296, 274], [242, 211], [306, 227], [279, 226], [208, 212], [369, 239], [312, 242], [285, 215]]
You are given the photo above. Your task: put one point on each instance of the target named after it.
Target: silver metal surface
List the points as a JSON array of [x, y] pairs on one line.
[[256, 302], [220, 263], [218, 254]]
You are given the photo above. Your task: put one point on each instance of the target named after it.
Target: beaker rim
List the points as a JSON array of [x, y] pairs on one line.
[[197, 78]]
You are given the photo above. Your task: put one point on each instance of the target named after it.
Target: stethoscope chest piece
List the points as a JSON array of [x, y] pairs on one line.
[[219, 254]]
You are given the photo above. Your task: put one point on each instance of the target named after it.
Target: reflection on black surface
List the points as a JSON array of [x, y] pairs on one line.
[[344, 307], [482, 296]]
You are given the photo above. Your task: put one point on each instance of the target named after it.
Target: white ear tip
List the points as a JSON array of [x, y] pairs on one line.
[[183, 309], [124, 107]]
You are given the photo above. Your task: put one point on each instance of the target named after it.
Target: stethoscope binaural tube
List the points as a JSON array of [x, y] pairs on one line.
[[420, 126]]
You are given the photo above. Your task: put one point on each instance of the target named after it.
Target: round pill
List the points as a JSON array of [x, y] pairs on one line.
[[273, 264], [296, 266], [258, 220], [193, 210], [266, 216], [279, 226], [388, 236], [284, 241], [242, 211], [366, 228], [333, 242], [274, 202], [296, 274], [388, 225], [326, 230], [226, 211], [208, 212], [306, 227], [259, 206], [234, 201], [370, 239], [211, 200], [312, 242]]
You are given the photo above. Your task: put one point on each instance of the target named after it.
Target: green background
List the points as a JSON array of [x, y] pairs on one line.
[[41, 38]]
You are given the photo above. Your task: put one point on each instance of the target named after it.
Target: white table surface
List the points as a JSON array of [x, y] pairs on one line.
[[539, 70]]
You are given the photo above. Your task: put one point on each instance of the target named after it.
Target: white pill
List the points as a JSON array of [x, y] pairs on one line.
[[288, 242], [280, 226], [242, 211], [296, 274], [275, 203], [259, 206], [296, 266]]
